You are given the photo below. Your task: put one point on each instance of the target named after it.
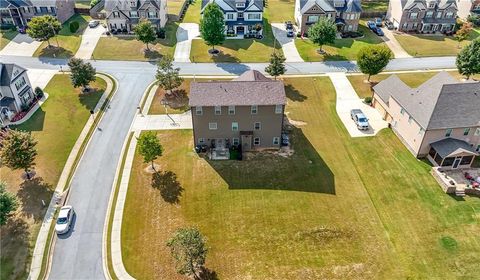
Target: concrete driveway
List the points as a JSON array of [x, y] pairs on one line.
[[186, 32], [21, 45], [393, 44], [40, 77], [288, 44], [90, 39], [347, 99]]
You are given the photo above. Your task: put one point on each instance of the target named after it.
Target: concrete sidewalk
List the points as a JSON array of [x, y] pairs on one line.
[[288, 44], [393, 44], [22, 45], [90, 39], [186, 32], [163, 122]]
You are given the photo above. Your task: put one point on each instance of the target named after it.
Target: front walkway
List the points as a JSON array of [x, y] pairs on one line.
[[347, 99], [288, 44], [393, 44], [21, 45], [185, 33], [90, 39]]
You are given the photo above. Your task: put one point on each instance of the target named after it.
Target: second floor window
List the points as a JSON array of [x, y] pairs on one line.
[[229, 16], [254, 109], [198, 110], [312, 18], [133, 14], [413, 15], [240, 15], [278, 109], [439, 14], [152, 14], [240, 5], [133, 4], [477, 132], [234, 126], [231, 110], [212, 126], [429, 14], [116, 14], [257, 126], [466, 131], [449, 15], [218, 110], [254, 16], [20, 83], [448, 132]]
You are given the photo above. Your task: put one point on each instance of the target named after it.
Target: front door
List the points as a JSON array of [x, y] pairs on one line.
[[240, 30], [246, 142], [457, 161]]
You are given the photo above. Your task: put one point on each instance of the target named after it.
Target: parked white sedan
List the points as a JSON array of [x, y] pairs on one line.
[[64, 220]]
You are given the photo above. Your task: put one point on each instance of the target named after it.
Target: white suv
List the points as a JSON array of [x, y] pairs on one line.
[[64, 220]]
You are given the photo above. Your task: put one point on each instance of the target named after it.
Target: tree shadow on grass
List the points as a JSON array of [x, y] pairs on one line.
[[14, 244], [31, 194], [207, 274], [89, 99], [177, 100], [54, 51], [152, 54], [170, 188], [294, 94], [304, 171]]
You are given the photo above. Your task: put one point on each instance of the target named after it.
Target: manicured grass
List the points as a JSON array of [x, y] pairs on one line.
[[375, 5], [129, 48], [56, 126], [6, 37], [193, 12], [414, 79], [342, 49], [68, 43], [280, 10], [174, 6], [433, 45], [85, 4]]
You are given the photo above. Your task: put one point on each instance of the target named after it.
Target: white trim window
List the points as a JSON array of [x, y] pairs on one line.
[[312, 18], [402, 111], [234, 126], [212, 126], [254, 109], [448, 132], [235, 141], [134, 14], [231, 110], [230, 16], [218, 110], [256, 141], [449, 15], [413, 15], [198, 110], [439, 15], [477, 132], [240, 5], [201, 140], [256, 16], [276, 141], [257, 126], [466, 131], [278, 109], [152, 14]]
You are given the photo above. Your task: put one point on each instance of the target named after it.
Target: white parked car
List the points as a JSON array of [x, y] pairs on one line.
[[64, 220], [93, 23]]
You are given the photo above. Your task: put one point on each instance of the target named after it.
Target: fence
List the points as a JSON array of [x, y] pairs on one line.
[[183, 10]]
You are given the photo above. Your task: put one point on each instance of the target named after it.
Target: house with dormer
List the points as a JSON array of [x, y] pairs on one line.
[[242, 17], [424, 16], [345, 13], [20, 12], [123, 15]]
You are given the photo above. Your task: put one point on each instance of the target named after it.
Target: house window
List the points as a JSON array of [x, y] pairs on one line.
[[276, 140], [235, 141], [405, 26], [477, 7], [234, 126], [44, 9], [278, 109], [410, 119], [212, 126], [312, 18], [133, 4], [240, 5], [466, 131], [198, 110], [466, 160], [256, 141], [431, 5], [20, 83], [218, 110], [477, 132], [439, 14], [254, 109], [254, 16], [448, 132], [116, 14], [133, 14], [52, 9], [231, 110], [478, 148], [201, 140], [413, 15], [402, 111], [415, 25], [257, 126], [449, 15], [229, 16], [240, 15], [429, 14], [152, 14]]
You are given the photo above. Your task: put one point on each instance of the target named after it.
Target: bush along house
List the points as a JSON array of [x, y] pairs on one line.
[[244, 114], [242, 17]]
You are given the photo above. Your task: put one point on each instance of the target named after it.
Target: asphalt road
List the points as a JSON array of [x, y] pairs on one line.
[[79, 254]]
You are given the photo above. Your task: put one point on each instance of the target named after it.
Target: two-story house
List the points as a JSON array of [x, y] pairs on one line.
[[475, 9], [20, 12], [345, 13], [426, 16], [439, 120], [15, 91], [123, 15], [247, 111], [242, 17]]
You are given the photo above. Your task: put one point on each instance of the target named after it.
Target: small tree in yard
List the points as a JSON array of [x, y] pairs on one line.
[[276, 66], [212, 26], [373, 59], [43, 28], [149, 147], [323, 32], [189, 250], [8, 204], [18, 151], [81, 73], [168, 78], [468, 60], [145, 32], [463, 33]]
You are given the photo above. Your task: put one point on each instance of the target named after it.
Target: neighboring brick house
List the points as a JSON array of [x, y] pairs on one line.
[[246, 111], [426, 16], [439, 120], [123, 15], [242, 17], [475, 7], [345, 13], [20, 12], [15, 91]]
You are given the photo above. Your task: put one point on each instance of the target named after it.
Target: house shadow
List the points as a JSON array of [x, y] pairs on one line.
[[304, 171], [31, 194], [166, 182], [35, 123], [294, 94], [233, 68]]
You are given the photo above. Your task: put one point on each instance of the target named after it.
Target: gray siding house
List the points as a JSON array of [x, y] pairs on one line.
[[123, 15], [15, 91], [20, 12], [439, 120], [246, 111]]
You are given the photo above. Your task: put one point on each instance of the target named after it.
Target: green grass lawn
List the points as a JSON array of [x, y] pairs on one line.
[[280, 10], [433, 45], [375, 5], [193, 12], [85, 4], [129, 48], [339, 208], [6, 37], [174, 6], [342, 49], [56, 126], [68, 43]]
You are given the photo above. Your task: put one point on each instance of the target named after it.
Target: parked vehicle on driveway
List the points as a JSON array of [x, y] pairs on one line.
[[378, 31], [64, 220], [285, 139], [378, 22], [289, 28], [371, 25], [93, 23], [360, 119]]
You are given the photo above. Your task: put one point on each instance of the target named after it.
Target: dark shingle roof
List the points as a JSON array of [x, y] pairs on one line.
[[251, 88], [447, 146]]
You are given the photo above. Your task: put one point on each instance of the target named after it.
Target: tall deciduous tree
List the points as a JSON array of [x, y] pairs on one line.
[[468, 60], [189, 250], [145, 32], [18, 150], [323, 32], [167, 76], [82, 73], [8, 203], [212, 25], [149, 147], [43, 28], [373, 59], [276, 66]]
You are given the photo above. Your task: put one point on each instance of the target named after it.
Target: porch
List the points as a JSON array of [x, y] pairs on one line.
[[451, 153], [242, 28]]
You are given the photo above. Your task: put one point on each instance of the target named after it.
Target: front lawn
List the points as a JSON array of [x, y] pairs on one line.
[[5, 37], [375, 5], [83, 4], [129, 48], [433, 45], [280, 10], [193, 12], [342, 49], [66, 43], [56, 126], [175, 6]]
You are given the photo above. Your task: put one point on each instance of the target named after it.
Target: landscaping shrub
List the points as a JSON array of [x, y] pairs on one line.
[[368, 100], [38, 92], [161, 33], [475, 19], [93, 3], [74, 25]]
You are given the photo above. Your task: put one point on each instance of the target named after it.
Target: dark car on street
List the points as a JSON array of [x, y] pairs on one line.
[[371, 25]]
